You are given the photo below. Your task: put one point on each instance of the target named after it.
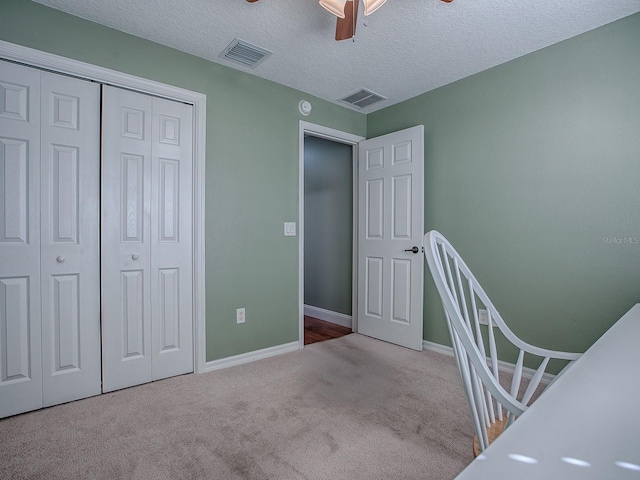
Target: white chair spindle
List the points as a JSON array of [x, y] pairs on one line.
[[493, 351], [461, 297], [535, 381], [480, 343], [465, 370], [479, 398], [452, 289], [481, 401], [511, 417], [452, 334], [476, 321], [517, 375], [476, 384], [482, 404]]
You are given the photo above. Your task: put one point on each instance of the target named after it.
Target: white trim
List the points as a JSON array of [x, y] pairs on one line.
[[56, 63], [340, 137], [505, 367], [437, 347], [354, 235], [328, 316], [251, 356]]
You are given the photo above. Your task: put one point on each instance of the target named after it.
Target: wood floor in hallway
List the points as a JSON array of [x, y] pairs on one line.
[[316, 330]]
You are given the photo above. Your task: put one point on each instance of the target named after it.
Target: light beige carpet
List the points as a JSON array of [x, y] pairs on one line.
[[351, 408]]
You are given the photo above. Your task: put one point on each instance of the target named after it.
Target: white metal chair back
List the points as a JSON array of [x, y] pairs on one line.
[[463, 298]]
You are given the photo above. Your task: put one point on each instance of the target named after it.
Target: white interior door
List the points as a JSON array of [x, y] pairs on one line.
[[146, 239], [70, 240], [171, 239], [126, 242], [390, 224], [49, 250], [20, 336]]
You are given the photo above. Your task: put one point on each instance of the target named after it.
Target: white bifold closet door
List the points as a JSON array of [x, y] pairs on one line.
[[49, 239], [147, 320]]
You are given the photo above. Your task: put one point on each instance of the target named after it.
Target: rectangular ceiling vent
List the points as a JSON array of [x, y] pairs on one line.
[[244, 53], [362, 98]]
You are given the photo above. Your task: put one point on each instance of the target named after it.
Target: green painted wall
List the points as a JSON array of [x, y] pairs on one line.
[[532, 170], [251, 171], [328, 226]]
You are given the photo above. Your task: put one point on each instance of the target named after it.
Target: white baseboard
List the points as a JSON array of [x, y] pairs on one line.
[[503, 366], [328, 316], [251, 356], [438, 348]]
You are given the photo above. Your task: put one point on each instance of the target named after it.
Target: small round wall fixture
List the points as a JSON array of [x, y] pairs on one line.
[[304, 107]]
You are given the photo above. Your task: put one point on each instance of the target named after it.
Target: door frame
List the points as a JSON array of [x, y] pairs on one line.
[[67, 66], [320, 131]]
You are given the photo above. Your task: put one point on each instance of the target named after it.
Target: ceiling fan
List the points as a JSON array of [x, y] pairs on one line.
[[347, 13]]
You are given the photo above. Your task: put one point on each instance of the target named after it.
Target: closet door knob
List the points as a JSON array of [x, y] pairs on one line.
[[135, 256], [60, 259]]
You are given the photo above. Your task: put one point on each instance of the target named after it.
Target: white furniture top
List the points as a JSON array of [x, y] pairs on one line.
[[584, 426]]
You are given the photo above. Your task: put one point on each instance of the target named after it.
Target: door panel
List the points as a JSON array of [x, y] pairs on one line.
[[132, 300], [126, 245], [20, 318], [169, 316], [375, 208], [401, 209], [14, 325], [15, 187], [65, 194], [374, 286], [65, 316], [390, 211], [70, 248], [171, 239], [401, 294], [146, 268], [132, 183]]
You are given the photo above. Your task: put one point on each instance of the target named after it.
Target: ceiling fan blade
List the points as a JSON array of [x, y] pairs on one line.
[[346, 27], [445, 1], [252, 1]]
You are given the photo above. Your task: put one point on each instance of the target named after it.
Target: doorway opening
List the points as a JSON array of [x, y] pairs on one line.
[[328, 233]]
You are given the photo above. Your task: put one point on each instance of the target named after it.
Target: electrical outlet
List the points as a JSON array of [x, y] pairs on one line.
[[240, 315], [482, 317]]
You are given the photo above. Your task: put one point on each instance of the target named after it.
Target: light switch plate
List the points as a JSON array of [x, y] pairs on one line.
[[289, 229]]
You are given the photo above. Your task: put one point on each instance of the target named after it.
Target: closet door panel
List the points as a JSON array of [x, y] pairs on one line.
[[126, 242], [171, 239], [70, 238], [20, 316]]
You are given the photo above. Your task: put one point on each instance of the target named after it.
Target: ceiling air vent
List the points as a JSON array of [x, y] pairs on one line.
[[244, 53], [362, 98]]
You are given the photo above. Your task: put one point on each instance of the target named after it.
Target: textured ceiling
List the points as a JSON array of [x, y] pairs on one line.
[[406, 48]]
